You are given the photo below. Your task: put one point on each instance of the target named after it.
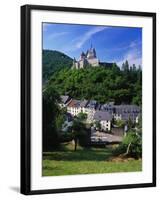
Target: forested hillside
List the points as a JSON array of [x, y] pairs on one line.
[[54, 61], [100, 83]]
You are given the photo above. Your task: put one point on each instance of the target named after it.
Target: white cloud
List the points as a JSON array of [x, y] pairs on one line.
[[56, 35], [119, 48], [133, 57], [82, 39], [133, 44]]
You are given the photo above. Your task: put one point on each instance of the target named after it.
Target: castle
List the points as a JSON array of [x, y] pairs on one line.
[[88, 59]]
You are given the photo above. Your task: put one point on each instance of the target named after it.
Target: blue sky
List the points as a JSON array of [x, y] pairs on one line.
[[112, 44]]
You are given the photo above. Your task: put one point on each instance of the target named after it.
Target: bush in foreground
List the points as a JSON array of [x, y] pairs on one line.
[[131, 145]]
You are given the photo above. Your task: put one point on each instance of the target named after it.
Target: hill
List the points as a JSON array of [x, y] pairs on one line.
[[54, 61], [99, 83]]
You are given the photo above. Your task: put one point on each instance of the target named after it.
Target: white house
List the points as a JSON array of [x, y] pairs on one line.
[[104, 118], [74, 107]]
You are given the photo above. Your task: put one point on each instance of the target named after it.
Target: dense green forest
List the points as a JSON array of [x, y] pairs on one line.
[[53, 61], [100, 83]]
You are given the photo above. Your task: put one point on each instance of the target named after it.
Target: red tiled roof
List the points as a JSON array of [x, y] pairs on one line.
[[72, 103]]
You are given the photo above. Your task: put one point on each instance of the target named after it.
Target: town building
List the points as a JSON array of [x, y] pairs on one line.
[[101, 113], [90, 110], [126, 112], [104, 118], [108, 107], [118, 112], [74, 107], [65, 99]]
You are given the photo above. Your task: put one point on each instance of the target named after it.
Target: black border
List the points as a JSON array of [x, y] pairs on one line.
[[26, 95]]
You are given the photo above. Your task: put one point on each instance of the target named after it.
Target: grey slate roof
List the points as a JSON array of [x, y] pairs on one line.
[[83, 103], [102, 115], [64, 98], [92, 104], [107, 107], [127, 111], [128, 116], [122, 109], [98, 107]]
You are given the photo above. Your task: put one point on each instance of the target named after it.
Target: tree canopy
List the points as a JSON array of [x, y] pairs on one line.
[[100, 83], [54, 61]]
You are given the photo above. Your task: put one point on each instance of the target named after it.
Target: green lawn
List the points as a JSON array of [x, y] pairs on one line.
[[85, 161]]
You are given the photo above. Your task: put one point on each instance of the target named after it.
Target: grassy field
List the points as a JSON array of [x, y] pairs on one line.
[[85, 161]]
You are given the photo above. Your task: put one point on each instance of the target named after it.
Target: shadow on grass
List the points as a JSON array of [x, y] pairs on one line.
[[79, 155]]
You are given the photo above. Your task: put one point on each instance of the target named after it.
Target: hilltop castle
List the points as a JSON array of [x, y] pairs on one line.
[[87, 59]]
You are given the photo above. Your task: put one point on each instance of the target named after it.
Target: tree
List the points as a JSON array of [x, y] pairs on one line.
[[139, 68], [59, 121], [139, 125], [130, 123], [100, 83], [77, 130], [98, 125], [50, 112], [54, 61], [125, 66], [119, 123], [133, 143], [134, 67], [82, 116]]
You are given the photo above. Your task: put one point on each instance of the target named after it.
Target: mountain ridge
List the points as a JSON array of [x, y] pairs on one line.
[[53, 61]]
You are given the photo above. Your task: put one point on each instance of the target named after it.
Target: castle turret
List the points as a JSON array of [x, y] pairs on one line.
[[75, 64], [91, 53], [94, 52], [82, 56]]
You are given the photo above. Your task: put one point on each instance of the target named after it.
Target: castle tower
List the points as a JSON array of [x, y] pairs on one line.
[[91, 53], [82, 56], [75, 64]]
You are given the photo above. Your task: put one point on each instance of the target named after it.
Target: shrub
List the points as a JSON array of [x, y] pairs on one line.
[[131, 145]]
